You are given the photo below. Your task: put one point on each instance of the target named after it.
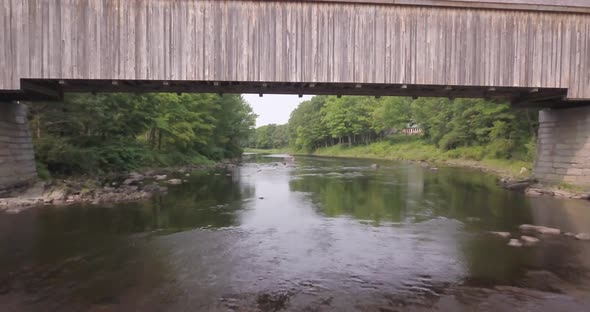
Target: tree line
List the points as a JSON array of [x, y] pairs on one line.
[[108, 132], [270, 136], [497, 129]]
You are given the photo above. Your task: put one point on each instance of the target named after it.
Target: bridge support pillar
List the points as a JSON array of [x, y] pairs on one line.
[[17, 159], [563, 146]]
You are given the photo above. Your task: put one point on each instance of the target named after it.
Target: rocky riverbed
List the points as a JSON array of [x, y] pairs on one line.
[[532, 187], [531, 235], [114, 188]]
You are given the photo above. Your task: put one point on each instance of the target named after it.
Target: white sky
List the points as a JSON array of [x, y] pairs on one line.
[[273, 108]]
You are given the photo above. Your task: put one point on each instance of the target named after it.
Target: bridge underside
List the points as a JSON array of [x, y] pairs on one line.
[[470, 46], [53, 90], [532, 53]]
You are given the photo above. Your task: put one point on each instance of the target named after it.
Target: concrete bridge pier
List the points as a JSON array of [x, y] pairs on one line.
[[563, 146], [17, 159]]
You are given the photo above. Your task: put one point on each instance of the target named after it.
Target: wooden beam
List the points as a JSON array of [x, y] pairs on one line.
[[566, 6], [28, 86]]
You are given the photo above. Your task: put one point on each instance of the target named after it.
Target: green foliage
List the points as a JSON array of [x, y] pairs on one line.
[[571, 187], [270, 137], [42, 171], [465, 128], [306, 127], [418, 149], [111, 132]]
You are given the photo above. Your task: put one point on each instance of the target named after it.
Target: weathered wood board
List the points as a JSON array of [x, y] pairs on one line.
[[295, 41]]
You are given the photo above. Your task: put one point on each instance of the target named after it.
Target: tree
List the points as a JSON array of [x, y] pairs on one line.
[[109, 132], [448, 124]]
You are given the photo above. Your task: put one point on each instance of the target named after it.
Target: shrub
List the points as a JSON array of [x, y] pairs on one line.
[[472, 152], [42, 171], [500, 148]]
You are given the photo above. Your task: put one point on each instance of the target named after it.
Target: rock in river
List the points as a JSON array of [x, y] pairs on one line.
[[514, 243], [529, 240], [583, 236], [175, 181], [160, 177], [501, 234], [539, 229]]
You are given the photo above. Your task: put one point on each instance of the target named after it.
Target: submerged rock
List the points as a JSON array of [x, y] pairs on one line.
[[529, 240], [375, 166], [514, 243], [500, 234], [155, 189], [543, 281]]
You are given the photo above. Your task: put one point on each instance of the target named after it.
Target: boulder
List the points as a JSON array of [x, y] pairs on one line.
[[583, 236], [539, 229], [529, 240], [375, 166], [517, 186], [514, 243], [129, 189], [533, 192], [55, 194], [160, 177], [501, 234], [548, 231], [175, 181], [136, 175], [130, 181], [108, 189]]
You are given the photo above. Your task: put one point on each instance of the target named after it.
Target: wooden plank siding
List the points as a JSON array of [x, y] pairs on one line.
[[294, 41]]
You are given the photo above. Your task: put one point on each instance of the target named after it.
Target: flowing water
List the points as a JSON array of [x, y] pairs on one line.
[[309, 234]]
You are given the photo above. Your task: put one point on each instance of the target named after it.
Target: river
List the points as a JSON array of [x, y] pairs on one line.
[[309, 234]]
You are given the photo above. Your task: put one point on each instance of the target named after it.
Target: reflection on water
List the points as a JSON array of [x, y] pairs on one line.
[[310, 233]]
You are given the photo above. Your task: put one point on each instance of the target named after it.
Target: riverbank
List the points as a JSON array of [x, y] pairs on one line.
[[417, 150], [512, 174], [285, 150], [112, 188]]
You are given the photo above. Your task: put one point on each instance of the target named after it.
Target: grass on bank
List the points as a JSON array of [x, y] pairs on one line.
[[419, 150], [284, 150]]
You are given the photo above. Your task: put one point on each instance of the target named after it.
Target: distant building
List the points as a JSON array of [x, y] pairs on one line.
[[412, 130]]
